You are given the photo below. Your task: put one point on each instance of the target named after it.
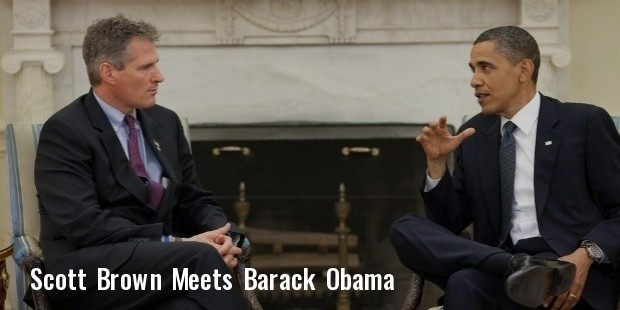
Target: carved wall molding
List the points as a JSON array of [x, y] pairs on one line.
[[325, 21], [560, 54], [53, 61], [31, 13], [284, 20], [540, 13], [33, 90], [540, 10]]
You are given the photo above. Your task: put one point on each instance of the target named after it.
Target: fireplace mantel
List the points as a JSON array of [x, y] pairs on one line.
[[303, 131], [236, 61]]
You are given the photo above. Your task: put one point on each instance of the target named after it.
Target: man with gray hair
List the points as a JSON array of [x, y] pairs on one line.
[[535, 178], [118, 191]]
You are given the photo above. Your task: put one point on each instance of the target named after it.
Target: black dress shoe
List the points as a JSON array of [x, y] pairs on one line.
[[532, 278]]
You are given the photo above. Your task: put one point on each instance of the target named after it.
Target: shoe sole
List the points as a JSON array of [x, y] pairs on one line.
[[563, 278], [525, 292]]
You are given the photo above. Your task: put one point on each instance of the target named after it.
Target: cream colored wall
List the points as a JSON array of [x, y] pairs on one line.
[[595, 46], [5, 213]]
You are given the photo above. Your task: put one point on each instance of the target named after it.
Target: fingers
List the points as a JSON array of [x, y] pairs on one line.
[[571, 300], [443, 120], [562, 302], [426, 135], [438, 125], [225, 245], [213, 234], [466, 134], [222, 230], [229, 256], [437, 141], [438, 128], [219, 239], [230, 260], [222, 242], [434, 128]]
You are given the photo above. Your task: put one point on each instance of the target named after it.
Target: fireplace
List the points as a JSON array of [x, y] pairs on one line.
[[292, 174]]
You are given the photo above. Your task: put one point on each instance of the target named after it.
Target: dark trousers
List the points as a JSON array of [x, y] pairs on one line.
[[454, 263], [199, 258]]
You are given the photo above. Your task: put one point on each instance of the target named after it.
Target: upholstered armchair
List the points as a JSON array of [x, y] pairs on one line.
[[21, 140], [21, 143]]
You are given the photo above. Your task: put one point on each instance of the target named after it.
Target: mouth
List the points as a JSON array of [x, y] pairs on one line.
[[481, 96]]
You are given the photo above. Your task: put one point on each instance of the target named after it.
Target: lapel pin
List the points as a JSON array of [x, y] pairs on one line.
[[157, 145], [547, 142]]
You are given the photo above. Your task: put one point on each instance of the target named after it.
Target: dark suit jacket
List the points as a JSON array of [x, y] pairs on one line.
[[576, 184], [94, 209]]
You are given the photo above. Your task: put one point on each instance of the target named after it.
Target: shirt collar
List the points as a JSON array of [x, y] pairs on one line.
[[526, 118], [114, 116]]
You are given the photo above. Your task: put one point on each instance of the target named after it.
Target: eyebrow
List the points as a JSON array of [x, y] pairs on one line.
[[146, 65], [481, 63]]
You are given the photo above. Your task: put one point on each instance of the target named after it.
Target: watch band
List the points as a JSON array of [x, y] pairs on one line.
[[593, 250]]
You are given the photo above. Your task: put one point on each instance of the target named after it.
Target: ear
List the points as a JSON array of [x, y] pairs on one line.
[[527, 69], [106, 72]]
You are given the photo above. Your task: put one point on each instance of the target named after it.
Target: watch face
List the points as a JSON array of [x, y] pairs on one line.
[[595, 252]]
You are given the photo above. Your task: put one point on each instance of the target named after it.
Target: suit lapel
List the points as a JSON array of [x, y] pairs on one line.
[[118, 160], [548, 141], [487, 162], [154, 135], [160, 144]]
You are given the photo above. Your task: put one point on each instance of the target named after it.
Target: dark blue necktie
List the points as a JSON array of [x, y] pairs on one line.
[[156, 190], [507, 163]]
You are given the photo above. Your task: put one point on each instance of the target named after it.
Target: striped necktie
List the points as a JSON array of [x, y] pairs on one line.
[[156, 190], [507, 163]]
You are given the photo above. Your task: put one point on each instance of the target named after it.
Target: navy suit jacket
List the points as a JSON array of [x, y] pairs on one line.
[[576, 185], [94, 208]]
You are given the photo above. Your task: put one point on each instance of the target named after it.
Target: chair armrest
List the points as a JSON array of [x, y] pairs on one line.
[[36, 298], [414, 294], [242, 260], [24, 246]]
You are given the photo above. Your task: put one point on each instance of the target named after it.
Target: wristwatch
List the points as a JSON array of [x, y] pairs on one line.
[[593, 250]]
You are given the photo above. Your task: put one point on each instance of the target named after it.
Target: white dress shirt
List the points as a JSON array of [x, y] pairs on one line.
[[524, 221], [152, 165]]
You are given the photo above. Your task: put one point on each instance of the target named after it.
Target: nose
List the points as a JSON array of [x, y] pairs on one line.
[[158, 77], [475, 81]]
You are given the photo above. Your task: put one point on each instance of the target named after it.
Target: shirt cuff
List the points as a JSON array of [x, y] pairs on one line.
[[430, 182], [168, 238]]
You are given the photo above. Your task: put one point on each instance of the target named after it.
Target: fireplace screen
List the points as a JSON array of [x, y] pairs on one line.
[[292, 175]]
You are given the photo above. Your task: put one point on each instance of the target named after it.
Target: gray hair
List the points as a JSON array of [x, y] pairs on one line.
[[106, 40], [514, 43]]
